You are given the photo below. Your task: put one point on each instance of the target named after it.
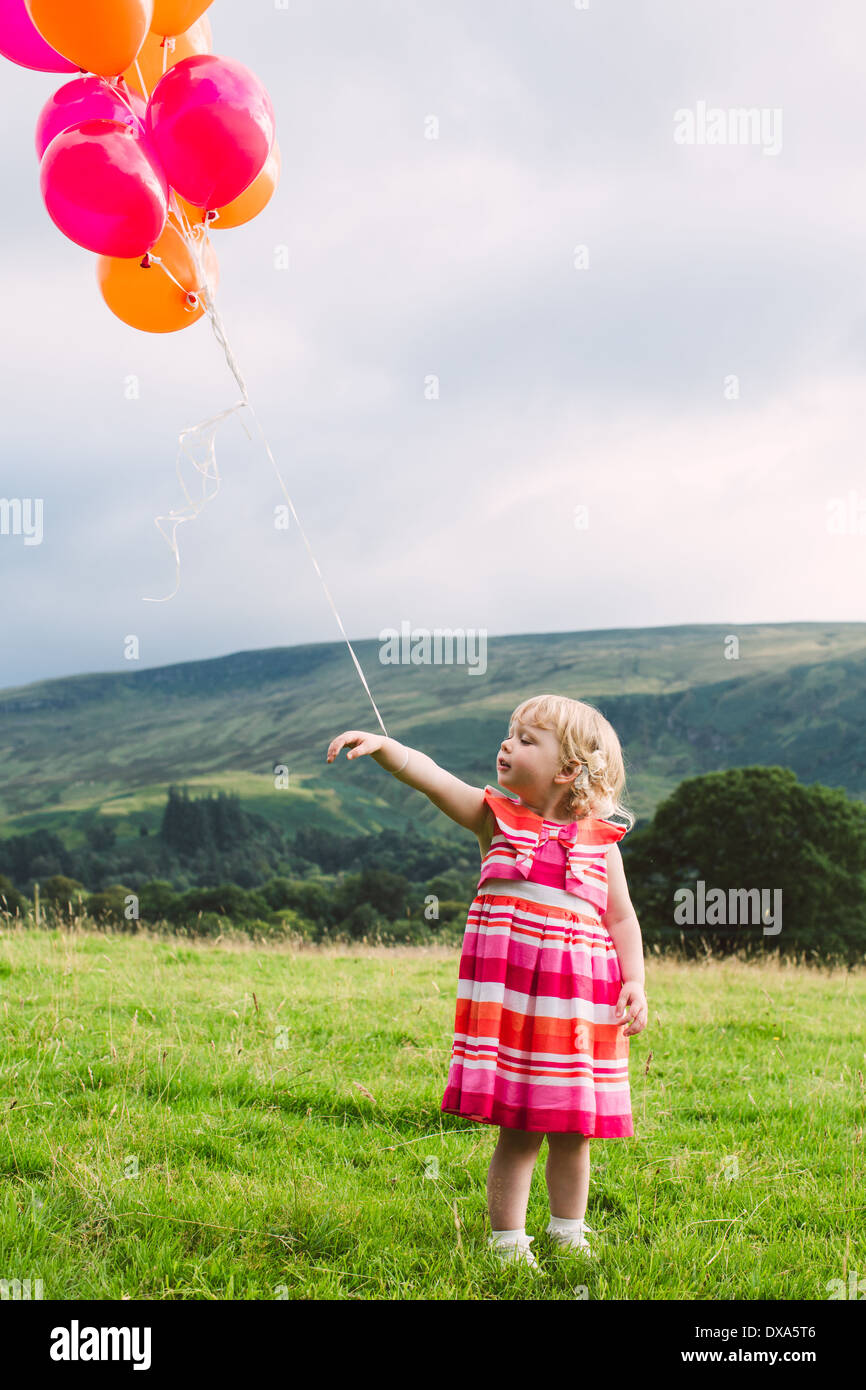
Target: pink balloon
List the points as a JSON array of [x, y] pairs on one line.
[[212, 124], [22, 43], [104, 188], [87, 99]]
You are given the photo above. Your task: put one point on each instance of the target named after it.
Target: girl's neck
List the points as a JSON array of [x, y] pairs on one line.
[[551, 819]]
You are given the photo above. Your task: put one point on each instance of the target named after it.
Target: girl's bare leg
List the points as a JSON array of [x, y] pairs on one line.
[[509, 1177], [567, 1174]]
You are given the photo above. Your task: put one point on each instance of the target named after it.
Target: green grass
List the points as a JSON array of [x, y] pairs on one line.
[[163, 1139]]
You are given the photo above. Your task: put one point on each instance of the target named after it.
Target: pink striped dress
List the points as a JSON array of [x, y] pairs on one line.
[[536, 1044]]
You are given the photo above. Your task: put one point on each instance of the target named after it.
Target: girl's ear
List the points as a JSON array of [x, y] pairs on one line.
[[569, 771]]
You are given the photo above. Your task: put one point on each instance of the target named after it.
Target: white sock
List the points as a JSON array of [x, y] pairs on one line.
[[565, 1224], [515, 1237]]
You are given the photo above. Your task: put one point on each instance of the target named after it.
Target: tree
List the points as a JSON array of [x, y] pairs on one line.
[[100, 835], [36, 855], [802, 847], [173, 830], [321, 847], [384, 891]]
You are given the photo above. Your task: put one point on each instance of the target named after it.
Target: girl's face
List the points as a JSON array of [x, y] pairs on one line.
[[528, 761]]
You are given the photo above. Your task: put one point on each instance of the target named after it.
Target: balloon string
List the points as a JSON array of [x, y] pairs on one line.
[[143, 86], [206, 431], [219, 332], [118, 87]]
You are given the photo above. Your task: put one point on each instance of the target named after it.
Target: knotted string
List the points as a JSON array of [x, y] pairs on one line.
[[205, 431]]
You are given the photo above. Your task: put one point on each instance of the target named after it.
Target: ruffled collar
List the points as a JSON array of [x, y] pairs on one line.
[[587, 830]]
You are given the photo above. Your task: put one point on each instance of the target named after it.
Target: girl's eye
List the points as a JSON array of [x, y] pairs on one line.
[[525, 740]]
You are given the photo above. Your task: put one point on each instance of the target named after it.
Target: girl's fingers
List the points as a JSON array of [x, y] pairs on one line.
[[344, 741]]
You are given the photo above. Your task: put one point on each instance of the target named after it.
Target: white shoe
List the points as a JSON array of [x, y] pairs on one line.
[[575, 1240], [513, 1251]]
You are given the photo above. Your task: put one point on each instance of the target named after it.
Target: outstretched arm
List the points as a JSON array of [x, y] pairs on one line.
[[459, 801]]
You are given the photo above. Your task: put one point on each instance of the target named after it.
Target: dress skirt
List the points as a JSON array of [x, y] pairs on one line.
[[536, 1042]]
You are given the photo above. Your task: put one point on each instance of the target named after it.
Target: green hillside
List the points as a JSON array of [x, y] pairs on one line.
[[113, 743]]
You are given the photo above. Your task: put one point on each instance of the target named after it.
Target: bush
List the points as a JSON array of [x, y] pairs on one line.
[[451, 914], [109, 908], [450, 934], [12, 903], [64, 894], [314, 900], [408, 930], [227, 900], [159, 902], [207, 924], [362, 921], [294, 923], [453, 885]]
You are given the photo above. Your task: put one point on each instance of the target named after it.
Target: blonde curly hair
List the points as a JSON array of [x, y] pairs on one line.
[[585, 737]]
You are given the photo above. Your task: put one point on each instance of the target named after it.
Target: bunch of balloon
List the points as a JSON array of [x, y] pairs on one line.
[[155, 143]]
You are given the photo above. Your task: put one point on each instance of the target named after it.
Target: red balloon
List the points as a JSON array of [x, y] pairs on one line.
[[104, 188], [86, 99], [212, 125], [22, 43]]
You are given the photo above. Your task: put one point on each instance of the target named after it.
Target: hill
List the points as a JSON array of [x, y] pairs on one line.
[[112, 743]]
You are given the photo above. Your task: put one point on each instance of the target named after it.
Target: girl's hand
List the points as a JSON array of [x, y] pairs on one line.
[[632, 999], [356, 739]]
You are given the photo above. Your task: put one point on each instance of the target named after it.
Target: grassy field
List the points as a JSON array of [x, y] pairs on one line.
[[236, 1121]]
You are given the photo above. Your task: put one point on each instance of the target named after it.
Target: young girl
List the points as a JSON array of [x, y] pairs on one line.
[[551, 979]]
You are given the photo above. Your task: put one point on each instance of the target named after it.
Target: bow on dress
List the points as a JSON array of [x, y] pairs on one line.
[[575, 859]]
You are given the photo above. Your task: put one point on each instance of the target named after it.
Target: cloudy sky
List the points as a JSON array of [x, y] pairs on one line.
[[650, 349]]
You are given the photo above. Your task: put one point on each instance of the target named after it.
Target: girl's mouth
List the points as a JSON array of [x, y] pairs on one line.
[[502, 764]]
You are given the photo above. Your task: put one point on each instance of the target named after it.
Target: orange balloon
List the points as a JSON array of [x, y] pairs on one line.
[[101, 36], [175, 16], [147, 298], [247, 205], [197, 39]]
